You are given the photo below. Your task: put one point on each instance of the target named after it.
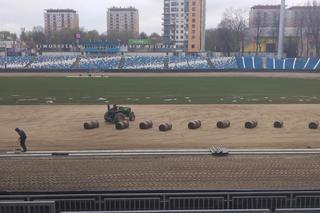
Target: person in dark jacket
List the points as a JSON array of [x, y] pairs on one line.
[[22, 139]]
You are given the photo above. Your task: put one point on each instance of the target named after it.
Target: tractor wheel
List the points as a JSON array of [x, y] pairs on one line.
[[132, 117], [119, 117]]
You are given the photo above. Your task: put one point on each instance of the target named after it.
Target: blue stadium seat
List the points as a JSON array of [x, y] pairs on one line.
[[299, 64], [226, 63], [249, 62], [104, 63], [198, 62], [240, 62], [312, 64], [15, 62], [279, 64], [178, 62], [53, 62], [144, 62], [270, 63], [288, 63], [258, 61]]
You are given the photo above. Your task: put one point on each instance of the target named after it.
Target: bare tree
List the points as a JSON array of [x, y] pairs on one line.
[[313, 24], [235, 21], [122, 37], [258, 23], [143, 35], [301, 28]]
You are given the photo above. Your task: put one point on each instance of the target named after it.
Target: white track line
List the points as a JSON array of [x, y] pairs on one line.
[[115, 153]]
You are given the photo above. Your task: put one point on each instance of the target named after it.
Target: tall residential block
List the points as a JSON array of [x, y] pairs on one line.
[[184, 24], [123, 20], [59, 19]]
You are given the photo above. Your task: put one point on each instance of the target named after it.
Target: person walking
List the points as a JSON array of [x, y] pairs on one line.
[[22, 139]]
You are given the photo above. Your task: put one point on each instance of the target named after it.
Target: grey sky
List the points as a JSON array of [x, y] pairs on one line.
[[15, 14]]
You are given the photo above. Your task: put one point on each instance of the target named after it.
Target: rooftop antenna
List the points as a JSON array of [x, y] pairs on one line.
[[281, 29]]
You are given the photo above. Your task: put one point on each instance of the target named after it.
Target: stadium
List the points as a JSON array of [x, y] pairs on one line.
[[198, 132]]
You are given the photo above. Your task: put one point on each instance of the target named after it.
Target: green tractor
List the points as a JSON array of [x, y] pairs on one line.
[[118, 113]]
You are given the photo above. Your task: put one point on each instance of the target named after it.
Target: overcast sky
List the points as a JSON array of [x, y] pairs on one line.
[[15, 14]]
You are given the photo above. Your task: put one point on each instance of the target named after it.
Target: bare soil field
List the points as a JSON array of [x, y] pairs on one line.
[[55, 128], [160, 173], [184, 74]]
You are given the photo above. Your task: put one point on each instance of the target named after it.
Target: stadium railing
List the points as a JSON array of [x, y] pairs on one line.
[[27, 207]]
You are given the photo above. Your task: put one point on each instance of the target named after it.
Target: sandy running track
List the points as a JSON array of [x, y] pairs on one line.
[[61, 127], [200, 74]]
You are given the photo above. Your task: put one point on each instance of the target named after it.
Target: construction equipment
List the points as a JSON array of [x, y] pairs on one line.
[[118, 113]]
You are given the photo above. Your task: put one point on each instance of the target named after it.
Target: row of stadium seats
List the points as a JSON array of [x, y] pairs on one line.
[[256, 63], [15, 62], [198, 62], [58, 62], [99, 63], [293, 64], [144, 62], [250, 62], [189, 62], [224, 63]]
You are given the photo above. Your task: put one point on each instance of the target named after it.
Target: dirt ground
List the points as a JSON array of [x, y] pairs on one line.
[[160, 173], [211, 74], [61, 127]]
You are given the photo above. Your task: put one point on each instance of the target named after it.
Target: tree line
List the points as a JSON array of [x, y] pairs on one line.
[[66, 36]]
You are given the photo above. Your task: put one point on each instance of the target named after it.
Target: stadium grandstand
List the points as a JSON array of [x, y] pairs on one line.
[[170, 63]]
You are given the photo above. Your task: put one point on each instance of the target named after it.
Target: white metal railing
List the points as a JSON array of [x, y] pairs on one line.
[[167, 202], [190, 211]]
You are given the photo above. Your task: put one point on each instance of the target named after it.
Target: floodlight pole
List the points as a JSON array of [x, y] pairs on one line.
[[281, 29]]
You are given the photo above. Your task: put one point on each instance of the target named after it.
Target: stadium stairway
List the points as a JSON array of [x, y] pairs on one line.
[[76, 63], [210, 63], [31, 61], [122, 62], [166, 62]]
